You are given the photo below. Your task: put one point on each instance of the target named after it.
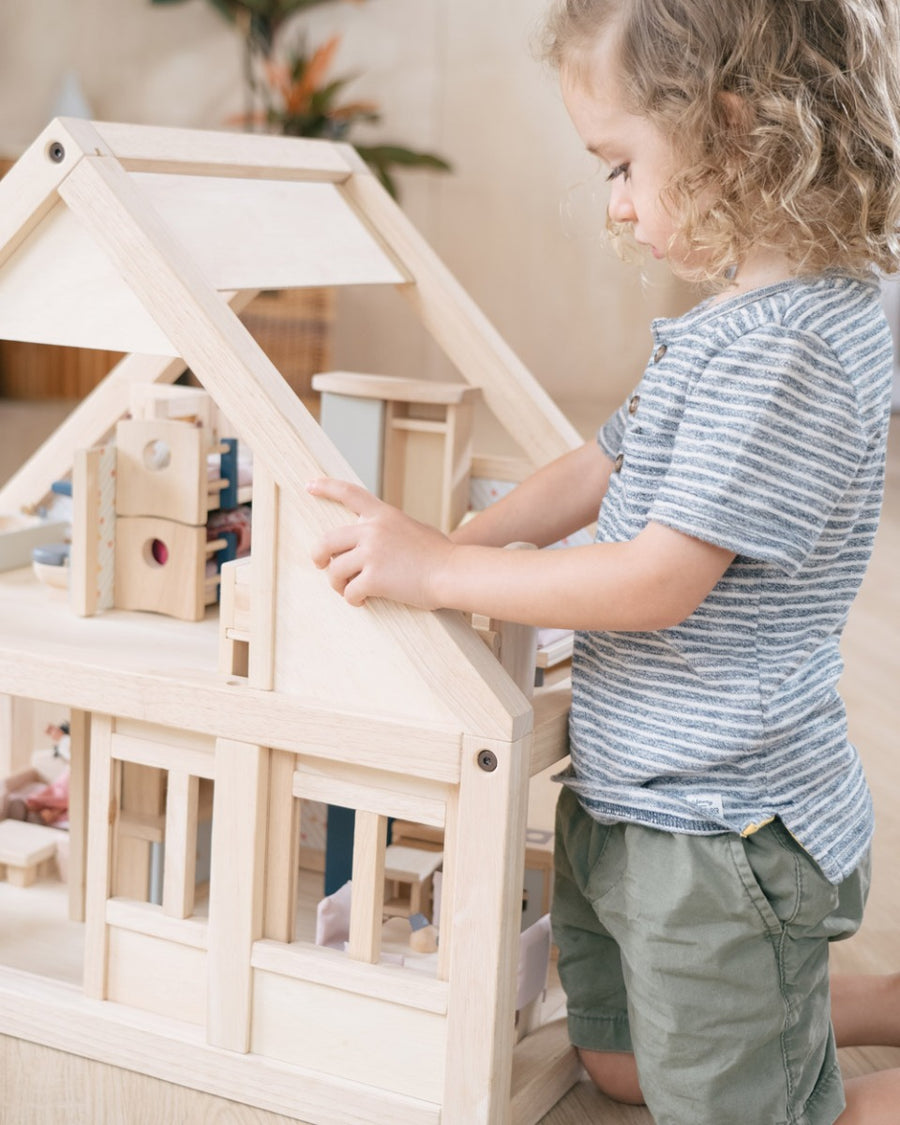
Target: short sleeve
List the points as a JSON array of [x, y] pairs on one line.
[[769, 442]]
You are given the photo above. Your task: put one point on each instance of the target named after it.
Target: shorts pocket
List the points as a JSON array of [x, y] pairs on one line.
[[786, 885], [770, 876]]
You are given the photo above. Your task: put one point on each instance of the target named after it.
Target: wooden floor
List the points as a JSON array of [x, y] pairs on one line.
[[871, 688]]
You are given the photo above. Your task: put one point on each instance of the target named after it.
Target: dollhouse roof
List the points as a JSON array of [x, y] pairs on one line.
[[149, 240]]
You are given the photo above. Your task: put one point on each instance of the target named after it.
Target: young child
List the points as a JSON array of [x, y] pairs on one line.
[[713, 833]]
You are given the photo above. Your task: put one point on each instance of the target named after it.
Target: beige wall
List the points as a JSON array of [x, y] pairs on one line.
[[519, 222]]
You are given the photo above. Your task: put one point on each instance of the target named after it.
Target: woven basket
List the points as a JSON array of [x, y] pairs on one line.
[[30, 371], [295, 328]]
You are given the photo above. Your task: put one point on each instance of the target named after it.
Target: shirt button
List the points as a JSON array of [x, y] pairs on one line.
[[659, 353], [633, 403], [618, 463]]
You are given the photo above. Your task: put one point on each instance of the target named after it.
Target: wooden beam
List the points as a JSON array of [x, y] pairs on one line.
[[202, 152], [210, 706]]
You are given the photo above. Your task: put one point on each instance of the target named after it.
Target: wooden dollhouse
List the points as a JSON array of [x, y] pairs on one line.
[[149, 241]]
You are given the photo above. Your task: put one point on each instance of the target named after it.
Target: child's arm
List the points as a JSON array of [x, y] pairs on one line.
[[557, 500], [655, 581]]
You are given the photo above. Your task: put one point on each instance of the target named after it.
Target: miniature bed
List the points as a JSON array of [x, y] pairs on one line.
[[148, 241]]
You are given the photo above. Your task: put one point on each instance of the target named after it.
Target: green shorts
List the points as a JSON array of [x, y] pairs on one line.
[[707, 956]]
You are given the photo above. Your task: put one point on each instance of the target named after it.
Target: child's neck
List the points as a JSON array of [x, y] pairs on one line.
[[756, 272]]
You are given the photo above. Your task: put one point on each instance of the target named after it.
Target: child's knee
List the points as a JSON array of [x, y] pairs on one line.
[[614, 1073]]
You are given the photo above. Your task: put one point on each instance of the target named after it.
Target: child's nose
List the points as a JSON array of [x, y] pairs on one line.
[[621, 208]]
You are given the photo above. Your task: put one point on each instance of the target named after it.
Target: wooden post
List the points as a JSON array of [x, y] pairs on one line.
[[16, 729], [264, 579], [101, 816], [182, 805], [236, 889], [489, 864], [367, 900], [79, 795], [139, 824], [282, 850]]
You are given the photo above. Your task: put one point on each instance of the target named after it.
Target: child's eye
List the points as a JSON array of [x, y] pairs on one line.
[[619, 170]]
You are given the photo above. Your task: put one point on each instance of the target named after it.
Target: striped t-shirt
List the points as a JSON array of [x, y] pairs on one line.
[[760, 425]]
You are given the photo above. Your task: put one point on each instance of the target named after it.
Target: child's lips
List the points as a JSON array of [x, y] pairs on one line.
[[658, 254]]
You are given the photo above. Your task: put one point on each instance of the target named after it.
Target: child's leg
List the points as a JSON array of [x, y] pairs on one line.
[[872, 1099], [865, 1010], [589, 963], [614, 1073], [724, 952]]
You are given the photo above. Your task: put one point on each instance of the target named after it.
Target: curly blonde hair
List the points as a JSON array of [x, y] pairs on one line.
[[812, 166]]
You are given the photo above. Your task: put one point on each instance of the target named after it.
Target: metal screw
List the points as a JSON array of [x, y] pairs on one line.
[[56, 152], [487, 760]]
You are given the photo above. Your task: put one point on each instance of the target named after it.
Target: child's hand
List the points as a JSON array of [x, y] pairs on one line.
[[384, 554]]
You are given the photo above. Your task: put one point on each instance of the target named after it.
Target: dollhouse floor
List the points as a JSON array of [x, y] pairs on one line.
[[36, 936]]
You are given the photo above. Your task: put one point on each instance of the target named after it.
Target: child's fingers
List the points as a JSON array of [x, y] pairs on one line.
[[354, 590], [335, 542], [342, 569], [352, 496], [345, 573]]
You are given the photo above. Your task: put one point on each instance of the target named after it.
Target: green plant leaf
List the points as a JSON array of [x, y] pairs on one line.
[[386, 179], [381, 158], [389, 154], [325, 95]]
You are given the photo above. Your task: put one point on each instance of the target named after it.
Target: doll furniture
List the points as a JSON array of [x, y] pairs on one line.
[[149, 241], [411, 873], [144, 500], [24, 848], [409, 440]]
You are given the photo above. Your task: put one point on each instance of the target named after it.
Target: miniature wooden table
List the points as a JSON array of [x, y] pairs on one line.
[[414, 867], [24, 847]]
